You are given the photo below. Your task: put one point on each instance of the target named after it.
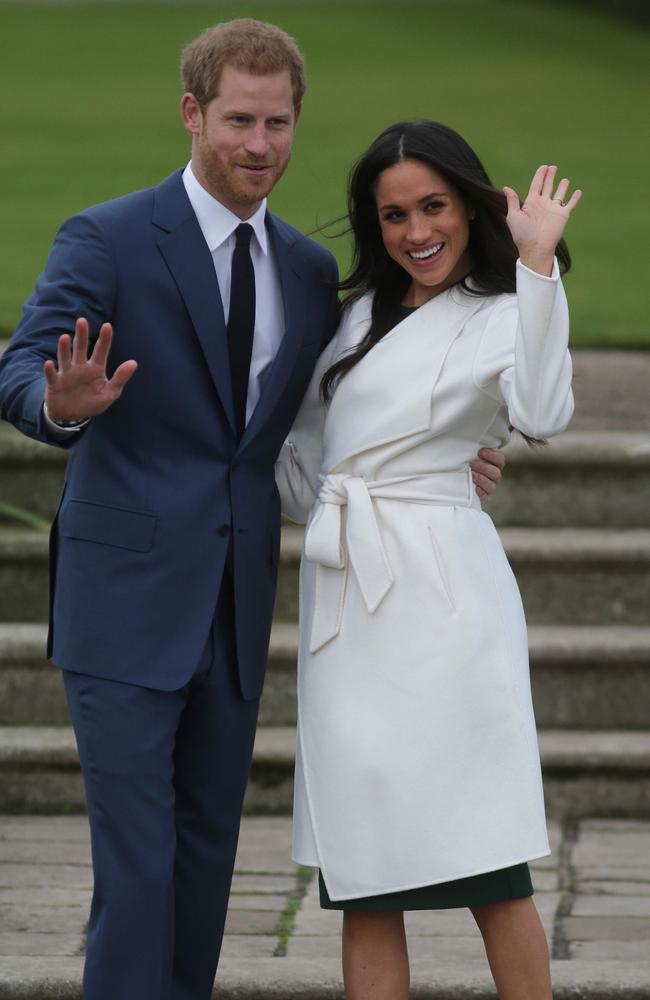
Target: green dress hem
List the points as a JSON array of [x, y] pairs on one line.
[[477, 890]]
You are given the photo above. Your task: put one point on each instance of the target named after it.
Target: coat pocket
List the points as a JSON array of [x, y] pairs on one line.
[[118, 526], [442, 572]]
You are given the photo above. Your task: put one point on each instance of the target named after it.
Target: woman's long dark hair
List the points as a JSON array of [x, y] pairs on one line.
[[492, 252]]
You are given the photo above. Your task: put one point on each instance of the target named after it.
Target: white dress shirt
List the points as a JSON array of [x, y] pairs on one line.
[[218, 226]]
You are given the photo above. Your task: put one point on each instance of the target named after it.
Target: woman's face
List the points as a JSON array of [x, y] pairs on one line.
[[424, 226]]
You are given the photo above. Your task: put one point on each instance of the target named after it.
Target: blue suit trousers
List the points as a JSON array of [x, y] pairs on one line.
[[165, 774]]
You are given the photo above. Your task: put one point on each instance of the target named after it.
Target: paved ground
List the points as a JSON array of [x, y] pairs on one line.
[[593, 894]]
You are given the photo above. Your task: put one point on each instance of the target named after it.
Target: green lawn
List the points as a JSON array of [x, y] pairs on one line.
[[89, 94]]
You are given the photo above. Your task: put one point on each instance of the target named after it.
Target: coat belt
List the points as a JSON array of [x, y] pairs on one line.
[[362, 547]]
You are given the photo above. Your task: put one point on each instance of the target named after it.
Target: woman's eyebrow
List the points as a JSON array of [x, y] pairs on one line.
[[427, 197]]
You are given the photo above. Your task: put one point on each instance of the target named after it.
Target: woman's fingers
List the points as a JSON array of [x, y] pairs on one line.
[[561, 191], [549, 179], [512, 198], [537, 182], [574, 199]]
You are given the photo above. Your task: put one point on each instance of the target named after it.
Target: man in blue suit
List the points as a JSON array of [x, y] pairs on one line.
[[166, 542]]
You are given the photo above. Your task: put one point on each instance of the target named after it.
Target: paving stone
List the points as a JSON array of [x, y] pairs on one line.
[[48, 828], [607, 928], [316, 946], [613, 873], [45, 896], [240, 947], [56, 852], [628, 951], [613, 887], [611, 847], [256, 902], [17, 943], [545, 880], [262, 883], [36, 919], [39, 875], [615, 825], [611, 906], [252, 922], [265, 846]]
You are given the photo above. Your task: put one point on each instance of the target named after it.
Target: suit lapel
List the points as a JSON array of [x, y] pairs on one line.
[[293, 300], [190, 262]]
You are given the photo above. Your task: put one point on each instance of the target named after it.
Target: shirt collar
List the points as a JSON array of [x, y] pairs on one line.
[[216, 221]]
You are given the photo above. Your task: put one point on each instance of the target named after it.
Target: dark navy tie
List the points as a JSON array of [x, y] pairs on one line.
[[241, 322]]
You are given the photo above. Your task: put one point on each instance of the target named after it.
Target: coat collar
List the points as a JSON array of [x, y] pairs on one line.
[[392, 385]]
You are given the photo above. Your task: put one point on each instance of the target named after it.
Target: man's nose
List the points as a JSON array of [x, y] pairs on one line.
[[257, 141]]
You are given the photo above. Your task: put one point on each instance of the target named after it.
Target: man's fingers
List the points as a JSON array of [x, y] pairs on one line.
[[122, 375], [49, 370], [80, 342], [484, 483], [102, 347], [63, 353]]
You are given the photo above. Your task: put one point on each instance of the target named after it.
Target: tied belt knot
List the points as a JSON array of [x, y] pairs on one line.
[[363, 547]]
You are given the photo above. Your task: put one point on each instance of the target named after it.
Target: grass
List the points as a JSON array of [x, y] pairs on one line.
[[89, 95]]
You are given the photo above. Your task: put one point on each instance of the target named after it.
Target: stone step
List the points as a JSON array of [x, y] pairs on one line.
[[567, 576], [444, 975], [587, 479], [31, 474], [583, 678], [586, 773]]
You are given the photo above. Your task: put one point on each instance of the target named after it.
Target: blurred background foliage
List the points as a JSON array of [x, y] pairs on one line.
[[89, 105]]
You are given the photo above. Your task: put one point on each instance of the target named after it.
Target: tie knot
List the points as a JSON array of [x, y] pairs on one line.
[[243, 234]]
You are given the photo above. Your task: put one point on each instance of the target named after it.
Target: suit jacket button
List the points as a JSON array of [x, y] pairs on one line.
[[223, 530]]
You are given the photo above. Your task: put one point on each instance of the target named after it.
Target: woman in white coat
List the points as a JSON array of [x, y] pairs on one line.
[[417, 773]]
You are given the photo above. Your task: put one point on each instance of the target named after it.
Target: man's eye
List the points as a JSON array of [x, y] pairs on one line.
[[278, 122]]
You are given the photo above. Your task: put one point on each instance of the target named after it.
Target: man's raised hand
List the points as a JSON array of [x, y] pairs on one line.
[[77, 387]]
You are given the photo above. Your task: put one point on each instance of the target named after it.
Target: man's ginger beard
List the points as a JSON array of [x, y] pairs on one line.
[[222, 175]]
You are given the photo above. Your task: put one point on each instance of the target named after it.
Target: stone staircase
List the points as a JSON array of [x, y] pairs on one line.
[[575, 522]]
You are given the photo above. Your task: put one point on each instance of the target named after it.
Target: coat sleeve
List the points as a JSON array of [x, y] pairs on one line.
[[301, 458], [524, 359], [78, 280]]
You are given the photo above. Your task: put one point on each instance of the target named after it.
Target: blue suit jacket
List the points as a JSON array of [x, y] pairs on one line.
[[139, 540]]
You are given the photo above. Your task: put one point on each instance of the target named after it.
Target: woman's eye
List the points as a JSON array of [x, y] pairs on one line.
[[434, 205]]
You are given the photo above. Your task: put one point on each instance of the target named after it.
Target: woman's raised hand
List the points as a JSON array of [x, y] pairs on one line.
[[537, 225]]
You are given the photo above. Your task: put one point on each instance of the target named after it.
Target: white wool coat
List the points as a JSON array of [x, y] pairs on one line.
[[417, 758]]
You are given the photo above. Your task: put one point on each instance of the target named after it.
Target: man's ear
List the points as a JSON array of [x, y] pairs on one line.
[[297, 108], [191, 114]]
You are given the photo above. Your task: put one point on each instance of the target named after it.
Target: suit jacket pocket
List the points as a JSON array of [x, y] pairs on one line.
[[118, 526]]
